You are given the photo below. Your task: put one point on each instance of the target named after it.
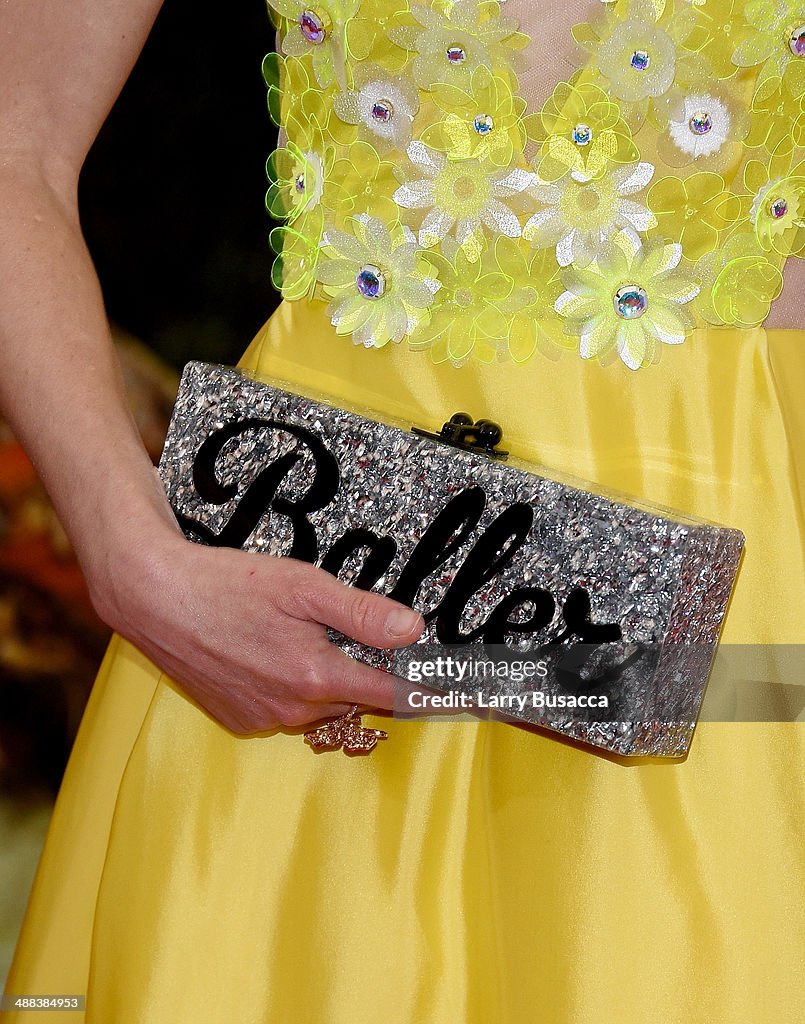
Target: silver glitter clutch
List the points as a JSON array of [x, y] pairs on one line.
[[612, 599]]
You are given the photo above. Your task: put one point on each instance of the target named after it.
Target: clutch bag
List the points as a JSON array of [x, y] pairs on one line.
[[507, 561]]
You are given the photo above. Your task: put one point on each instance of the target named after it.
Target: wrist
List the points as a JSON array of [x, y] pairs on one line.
[[128, 561]]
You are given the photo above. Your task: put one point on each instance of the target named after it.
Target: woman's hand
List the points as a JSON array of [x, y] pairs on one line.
[[245, 635]]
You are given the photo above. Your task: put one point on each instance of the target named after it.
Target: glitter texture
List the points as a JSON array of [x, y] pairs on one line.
[[664, 578]]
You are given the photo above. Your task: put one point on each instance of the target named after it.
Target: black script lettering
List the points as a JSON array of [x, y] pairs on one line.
[[576, 614], [499, 625], [493, 550], [445, 535], [571, 665], [261, 495]]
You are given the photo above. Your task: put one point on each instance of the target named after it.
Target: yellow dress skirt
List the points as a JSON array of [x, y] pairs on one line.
[[465, 872]]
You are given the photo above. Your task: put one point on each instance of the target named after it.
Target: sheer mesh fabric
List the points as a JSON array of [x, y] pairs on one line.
[[552, 56]]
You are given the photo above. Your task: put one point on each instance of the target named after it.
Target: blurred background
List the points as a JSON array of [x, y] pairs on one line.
[[172, 206]]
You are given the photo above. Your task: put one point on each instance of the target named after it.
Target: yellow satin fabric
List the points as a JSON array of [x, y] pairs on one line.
[[464, 873]]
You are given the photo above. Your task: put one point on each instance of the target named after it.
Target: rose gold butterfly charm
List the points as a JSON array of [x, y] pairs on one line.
[[346, 733]]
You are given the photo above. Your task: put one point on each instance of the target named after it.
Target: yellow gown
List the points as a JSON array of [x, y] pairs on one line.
[[464, 872]]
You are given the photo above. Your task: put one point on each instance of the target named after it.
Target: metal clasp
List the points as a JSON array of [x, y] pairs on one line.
[[461, 431]]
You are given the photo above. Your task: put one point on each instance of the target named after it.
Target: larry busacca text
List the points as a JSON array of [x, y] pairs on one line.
[[469, 671]]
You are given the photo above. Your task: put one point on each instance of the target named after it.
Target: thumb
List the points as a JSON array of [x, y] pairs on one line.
[[360, 614]]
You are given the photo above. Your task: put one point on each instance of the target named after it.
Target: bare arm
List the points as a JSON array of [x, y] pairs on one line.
[[62, 68], [228, 626]]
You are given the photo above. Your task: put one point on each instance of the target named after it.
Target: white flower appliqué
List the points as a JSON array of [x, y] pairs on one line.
[[379, 283], [702, 125], [382, 105], [579, 216], [465, 195]]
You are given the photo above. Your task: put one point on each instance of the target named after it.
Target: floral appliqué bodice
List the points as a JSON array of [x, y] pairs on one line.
[[661, 186]]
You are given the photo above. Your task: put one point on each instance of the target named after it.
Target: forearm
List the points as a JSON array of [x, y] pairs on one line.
[[60, 382]]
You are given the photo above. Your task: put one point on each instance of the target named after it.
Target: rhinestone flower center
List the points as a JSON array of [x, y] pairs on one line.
[[630, 301], [778, 208], [370, 281], [299, 183], [456, 54], [312, 26], [797, 41], [582, 135], [483, 124], [700, 122], [640, 60], [382, 110]]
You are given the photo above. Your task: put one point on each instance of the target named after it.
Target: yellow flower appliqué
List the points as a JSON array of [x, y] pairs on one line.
[[580, 129], [631, 298], [380, 284], [466, 197], [693, 209]]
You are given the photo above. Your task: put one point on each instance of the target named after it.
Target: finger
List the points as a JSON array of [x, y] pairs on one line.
[[366, 617], [346, 679], [303, 716], [321, 713]]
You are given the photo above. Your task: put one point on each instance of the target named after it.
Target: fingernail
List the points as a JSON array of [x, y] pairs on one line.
[[402, 621]]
